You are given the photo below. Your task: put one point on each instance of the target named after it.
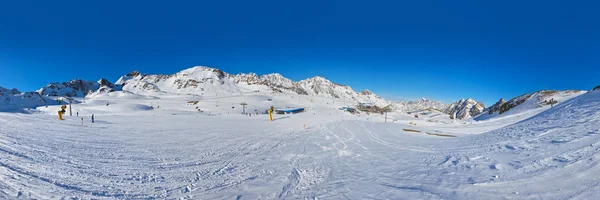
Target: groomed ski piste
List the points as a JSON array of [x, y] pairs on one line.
[[159, 146]]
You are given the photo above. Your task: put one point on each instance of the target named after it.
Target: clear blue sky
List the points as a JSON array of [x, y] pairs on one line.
[[444, 50]]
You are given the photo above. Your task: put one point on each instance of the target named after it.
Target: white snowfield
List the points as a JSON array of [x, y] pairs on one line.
[[145, 147]]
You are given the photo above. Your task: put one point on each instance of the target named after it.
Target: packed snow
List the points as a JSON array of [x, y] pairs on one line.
[[169, 146]]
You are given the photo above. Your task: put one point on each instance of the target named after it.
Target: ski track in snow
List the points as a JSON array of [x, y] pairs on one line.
[[165, 155]]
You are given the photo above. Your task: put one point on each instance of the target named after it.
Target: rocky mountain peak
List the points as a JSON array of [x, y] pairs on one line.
[[201, 79], [4, 91], [496, 107], [73, 88], [133, 73], [14, 91], [104, 82], [366, 92], [250, 78], [464, 108], [317, 79]]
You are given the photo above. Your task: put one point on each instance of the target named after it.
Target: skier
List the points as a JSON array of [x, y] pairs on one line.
[[92, 118], [77, 114]]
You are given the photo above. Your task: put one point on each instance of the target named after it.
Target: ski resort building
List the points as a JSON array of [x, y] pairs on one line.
[[365, 105], [348, 109], [369, 107], [288, 110]]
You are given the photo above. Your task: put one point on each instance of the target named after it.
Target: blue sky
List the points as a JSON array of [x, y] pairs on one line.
[[444, 50]]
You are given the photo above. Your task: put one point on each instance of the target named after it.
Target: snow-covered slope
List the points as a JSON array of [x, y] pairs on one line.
[[137, 151], [536, 100], [204, 80], [464, 109], [418, 105], [73, 88]]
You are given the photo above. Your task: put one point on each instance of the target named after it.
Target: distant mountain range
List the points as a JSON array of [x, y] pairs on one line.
[[421, 104], [73, 88], [202, 80], [14, 99], [205, 80]]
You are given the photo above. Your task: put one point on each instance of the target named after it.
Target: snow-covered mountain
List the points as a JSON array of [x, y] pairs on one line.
[[73, 88], [14, 99], [464, 109], [528, 102], [417, 105], [4, 91], [496, 107], [200, 80]]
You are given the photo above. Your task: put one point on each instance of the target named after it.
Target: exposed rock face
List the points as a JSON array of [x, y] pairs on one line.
[[319, 86], [543, 97], [73, 88], [133, 73], [366, 92], [478, 108], [464, 109], [250, 79], [514, 102], [103, 82], [496, 107], [529, 101], [596, 88], [279, 83]]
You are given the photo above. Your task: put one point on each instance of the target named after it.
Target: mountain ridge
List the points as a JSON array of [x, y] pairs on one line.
[[201, 79], [464, 109]]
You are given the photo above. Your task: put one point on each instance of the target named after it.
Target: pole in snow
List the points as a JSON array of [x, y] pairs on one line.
[[70, 111], [243, 107], [385, 116]]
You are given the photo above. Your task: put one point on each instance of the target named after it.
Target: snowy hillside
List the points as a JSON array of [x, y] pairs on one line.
[[540, 100], [205, 80], [464, 109], [73, 88]]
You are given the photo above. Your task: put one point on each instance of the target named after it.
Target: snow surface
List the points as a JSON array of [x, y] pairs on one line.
[[160, 146]]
